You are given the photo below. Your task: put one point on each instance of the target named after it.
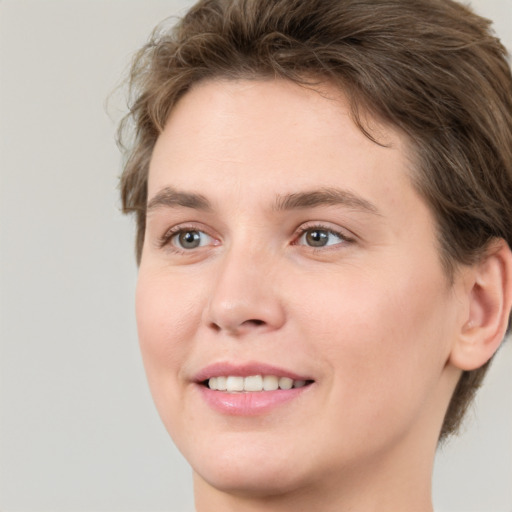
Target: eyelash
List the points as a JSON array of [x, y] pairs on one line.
[[165, 241], [320, 227]]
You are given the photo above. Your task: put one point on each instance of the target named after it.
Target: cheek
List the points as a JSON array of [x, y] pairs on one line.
[[388, 311], [167, 310], [386, 344], [166, 322]]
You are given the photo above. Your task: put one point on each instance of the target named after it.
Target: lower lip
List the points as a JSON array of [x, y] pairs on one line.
[[250, 403]]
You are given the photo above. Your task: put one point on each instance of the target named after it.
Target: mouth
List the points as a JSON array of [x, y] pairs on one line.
[[253, 383], [250, 389]]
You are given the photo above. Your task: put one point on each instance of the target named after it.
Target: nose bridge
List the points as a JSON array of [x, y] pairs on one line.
[[244, 296]]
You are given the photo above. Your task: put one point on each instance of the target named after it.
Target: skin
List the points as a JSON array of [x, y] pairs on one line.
[[370, 317]]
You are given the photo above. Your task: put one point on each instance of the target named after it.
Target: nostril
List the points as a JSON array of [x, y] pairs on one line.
[[215, 327], [254, 322], [238, 329]]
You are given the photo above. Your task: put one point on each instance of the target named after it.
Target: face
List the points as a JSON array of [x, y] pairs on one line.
[[284, 248]]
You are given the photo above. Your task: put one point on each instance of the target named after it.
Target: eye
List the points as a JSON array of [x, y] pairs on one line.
[[320, 237], [190, 239]]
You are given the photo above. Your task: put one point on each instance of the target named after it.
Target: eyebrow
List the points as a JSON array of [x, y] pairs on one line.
[[325, 197], [172, 198]]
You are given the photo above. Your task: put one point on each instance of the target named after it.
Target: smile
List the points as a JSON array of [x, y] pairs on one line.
[[253, 383], [250, 388]]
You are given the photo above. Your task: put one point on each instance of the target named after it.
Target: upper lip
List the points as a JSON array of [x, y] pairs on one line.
[[245, 370]]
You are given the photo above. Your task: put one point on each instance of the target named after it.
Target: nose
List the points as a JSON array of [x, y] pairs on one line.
[[245, 297]]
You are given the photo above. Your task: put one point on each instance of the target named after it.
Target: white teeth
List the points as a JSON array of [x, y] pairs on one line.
[[285, 383], [233, 384], [270, 383], [218, 383], [221, 383], [253, 383]]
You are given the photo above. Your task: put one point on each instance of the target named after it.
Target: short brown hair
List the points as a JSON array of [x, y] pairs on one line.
[[430, 68]]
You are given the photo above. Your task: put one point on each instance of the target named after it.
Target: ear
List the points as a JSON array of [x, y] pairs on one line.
[[489, 289]]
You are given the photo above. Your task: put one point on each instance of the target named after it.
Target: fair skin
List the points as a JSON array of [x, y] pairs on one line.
[[281, 241]]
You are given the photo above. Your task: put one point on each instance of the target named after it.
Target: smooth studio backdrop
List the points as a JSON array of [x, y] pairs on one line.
[[78, 430]]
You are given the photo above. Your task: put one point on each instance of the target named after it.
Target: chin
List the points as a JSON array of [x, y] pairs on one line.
[[255, 471], [251, 482]]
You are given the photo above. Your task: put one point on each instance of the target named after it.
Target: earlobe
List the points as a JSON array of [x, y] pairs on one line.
[[490, 301]]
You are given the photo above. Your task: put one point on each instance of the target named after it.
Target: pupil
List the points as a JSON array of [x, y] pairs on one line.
[[317, 238], [190, 239]]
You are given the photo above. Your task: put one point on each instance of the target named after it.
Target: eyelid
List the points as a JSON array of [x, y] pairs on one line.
[[344, 235], [165, 241]]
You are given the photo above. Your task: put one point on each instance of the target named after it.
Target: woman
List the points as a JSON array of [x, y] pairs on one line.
[[323, 193]]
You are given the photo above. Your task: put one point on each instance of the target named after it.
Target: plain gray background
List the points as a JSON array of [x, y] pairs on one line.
[[78, 429]]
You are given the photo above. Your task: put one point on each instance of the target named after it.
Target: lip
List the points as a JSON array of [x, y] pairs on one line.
[[248, 403]]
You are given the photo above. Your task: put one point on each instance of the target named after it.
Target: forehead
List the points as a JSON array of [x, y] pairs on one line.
[[275, 137]]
